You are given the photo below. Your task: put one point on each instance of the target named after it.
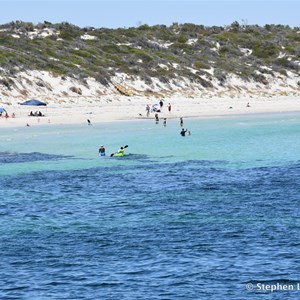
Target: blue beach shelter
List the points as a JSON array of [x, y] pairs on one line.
[[34, 102]]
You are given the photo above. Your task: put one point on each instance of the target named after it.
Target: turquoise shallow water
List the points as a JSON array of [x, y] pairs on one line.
[[240, 141], [193, 217]]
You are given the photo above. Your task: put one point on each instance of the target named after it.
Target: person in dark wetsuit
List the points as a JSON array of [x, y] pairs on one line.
[[101, 151], [169, 107], [161, 104], [165, 122], [181, 122], [183, 132]]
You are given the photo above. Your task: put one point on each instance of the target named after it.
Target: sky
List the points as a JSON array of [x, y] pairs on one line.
[[125, 14]]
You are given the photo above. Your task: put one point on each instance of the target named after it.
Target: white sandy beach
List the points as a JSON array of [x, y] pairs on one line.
[[69, 101], [117, 107]]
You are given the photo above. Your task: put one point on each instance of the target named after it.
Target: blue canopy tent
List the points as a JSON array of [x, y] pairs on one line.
[[34, 102]]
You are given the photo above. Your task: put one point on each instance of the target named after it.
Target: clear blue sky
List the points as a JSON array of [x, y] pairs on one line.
[[123, 13]]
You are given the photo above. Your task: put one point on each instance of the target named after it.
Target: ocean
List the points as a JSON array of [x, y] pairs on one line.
[[213, 215]]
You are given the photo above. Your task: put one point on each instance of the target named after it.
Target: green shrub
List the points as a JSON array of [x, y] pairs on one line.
[[182, 39], [146, 50], [283, 61], [199, 64], [264, 50]]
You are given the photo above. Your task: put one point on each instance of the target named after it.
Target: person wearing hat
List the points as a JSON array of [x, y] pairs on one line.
[[101, 151]]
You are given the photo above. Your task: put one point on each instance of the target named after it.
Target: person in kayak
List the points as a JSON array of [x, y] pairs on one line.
[[121, 151], [101, 151]]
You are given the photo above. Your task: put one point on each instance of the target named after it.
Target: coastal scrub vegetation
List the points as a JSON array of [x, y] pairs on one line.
[[159, 51]]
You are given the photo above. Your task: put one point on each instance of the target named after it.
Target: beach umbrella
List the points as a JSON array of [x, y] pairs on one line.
[[34, 102]]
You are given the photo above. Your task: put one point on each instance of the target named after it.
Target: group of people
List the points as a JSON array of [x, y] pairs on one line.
[[157, 120], [161, 104], [102, 151], [6, 115], [121, 151], [155, 108], [183, 131], [36, 114], [149, 109]]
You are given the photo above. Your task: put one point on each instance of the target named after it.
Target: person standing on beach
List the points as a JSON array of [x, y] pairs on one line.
[[169, 107], [161, 104], [147, 110]]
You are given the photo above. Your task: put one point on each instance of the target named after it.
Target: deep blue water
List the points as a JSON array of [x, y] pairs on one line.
[[156, 229]]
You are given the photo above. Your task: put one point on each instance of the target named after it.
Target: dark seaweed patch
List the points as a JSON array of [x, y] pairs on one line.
[[14, 157]]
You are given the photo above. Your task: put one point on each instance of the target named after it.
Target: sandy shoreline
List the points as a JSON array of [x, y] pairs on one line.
[[133, 108]]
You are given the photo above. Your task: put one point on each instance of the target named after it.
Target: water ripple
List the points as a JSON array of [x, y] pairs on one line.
[[183, 230]]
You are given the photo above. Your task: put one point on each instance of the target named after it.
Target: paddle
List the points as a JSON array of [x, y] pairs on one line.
[[126, 146]]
